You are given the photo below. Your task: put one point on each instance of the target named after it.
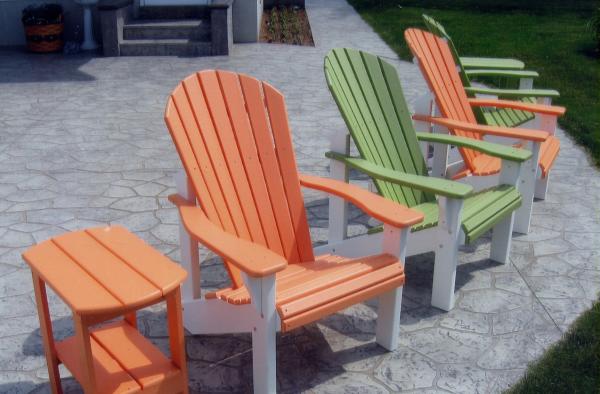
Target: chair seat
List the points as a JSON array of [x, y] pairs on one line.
[[488, 165], [508, 117], [481, 211], [309, 291]]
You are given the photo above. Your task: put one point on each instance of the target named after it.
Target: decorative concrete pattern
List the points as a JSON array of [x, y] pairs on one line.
[[83, 143]]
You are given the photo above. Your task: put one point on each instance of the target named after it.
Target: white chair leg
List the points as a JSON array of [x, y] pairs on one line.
[[264, 364], [446, 253], [541, 187], [502, 232], [527, 189], [525, 83], [501, 240], [188, 246], [390, 303], [338, 207]]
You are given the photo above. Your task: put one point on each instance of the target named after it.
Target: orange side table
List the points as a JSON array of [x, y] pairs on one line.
[[104, 273]]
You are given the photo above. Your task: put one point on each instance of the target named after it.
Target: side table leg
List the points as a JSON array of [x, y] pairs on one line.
[[82, 336], [176, 334], [41, 299]]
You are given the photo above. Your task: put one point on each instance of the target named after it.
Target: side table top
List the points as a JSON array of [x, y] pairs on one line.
[[103, 269]]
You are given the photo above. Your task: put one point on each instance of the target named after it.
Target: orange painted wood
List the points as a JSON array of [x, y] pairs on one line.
[[514, 132], [88, 375], [549, 152], [41, 300], [252, 258], [177, 336], [521, 105], [253, 96], [327, 276], [146, 261], [138, 357], [341, 303], [438, 68], [110, 376], [380, 208], [67, 279]]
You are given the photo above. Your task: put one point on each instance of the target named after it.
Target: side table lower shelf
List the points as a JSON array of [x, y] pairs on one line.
[[124, 361]]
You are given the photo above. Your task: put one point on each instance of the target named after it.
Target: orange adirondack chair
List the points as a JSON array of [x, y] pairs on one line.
[[240, 196], [437, 65]]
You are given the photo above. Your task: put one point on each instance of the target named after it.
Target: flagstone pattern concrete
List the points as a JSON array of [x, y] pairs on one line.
[[83, 143]]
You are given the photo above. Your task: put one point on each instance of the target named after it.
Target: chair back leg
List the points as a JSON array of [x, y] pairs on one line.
[[541, 187], [527, 188]]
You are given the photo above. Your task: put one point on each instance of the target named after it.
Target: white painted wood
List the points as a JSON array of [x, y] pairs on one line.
[[527, 188], [446, 252], [525, 83], [424, 106], [502, 232], [264, 331], [541, 186], [338, 207], [440, 151], [190, 289], [387, 331], [214, 316]]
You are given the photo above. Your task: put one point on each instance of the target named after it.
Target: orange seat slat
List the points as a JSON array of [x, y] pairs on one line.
[[124, 283], [110, 376], [67, 279], [308, 285], [341, 303], [138, 357], [147, 261]]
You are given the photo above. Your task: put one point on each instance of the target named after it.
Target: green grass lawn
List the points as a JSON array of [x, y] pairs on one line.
[[550, 37], [570, 366]]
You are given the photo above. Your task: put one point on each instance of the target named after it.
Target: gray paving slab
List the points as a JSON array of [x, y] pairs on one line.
[[83, 143]]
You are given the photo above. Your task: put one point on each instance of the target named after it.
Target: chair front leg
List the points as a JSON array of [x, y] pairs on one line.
[[526, 187], [338, 207], [502, 232], [390, 303], [188, 246], [446, 252], [525, 83], [264, 331]]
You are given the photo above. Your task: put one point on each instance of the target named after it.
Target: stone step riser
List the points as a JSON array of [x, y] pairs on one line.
[[165, 32], [166, 49], [180, 12]]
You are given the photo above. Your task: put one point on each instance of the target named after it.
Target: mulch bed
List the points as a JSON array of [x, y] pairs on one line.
[[286, 25]]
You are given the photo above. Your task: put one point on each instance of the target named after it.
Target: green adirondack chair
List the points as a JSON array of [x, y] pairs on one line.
[[368, 93], [471, 67]]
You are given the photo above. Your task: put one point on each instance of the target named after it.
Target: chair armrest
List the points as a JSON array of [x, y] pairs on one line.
[[442, 187], [513, 93], [376, 206], [252, 258], [489, 148], [492, 62], [537, 108], [489, 72], [525, 134]]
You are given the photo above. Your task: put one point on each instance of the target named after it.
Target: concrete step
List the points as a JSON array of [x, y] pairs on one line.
[[174, 12], [147, 29], [165, 47]]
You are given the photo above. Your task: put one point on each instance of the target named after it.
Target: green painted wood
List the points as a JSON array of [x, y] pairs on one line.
[[491, 62], [371, 102], [481, 211], [369, 95], [514, 93], [502, 73], [438, 186], [490, 148]]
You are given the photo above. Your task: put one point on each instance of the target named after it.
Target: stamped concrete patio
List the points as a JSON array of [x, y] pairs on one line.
[[82, 143]]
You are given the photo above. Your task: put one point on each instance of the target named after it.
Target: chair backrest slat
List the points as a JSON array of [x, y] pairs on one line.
[[236, 148], [439, 69], [368, 93]]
